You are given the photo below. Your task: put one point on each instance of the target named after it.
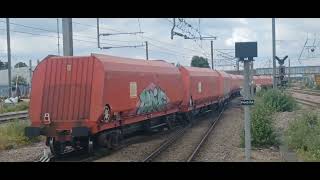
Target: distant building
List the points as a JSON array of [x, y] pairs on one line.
[[22, 90], [22, 72]]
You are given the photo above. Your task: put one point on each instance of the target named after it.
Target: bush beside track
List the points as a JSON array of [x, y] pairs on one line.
[[12, 135], [267, 102], [303, 135]]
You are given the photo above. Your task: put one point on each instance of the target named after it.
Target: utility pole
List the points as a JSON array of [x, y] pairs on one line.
[[246, 70], [58, 31], [251, 79], [98, 33], [274, 82], [38, 61], [211, 54], [9, 56], [30, 70], [237, 66], [30, 75], [289, 73], [67, 36], [147, 55]]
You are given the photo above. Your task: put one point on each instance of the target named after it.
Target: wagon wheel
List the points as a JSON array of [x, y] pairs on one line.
[[115, 139], [189, 117], [90, 146], [55, 147], [169, 123]]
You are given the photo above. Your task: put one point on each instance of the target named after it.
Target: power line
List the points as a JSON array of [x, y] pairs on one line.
[[30, 27], [143, 36], [54, 36], [47, 30], [30, 33], [35, 34], [167, 49], [81, 40]]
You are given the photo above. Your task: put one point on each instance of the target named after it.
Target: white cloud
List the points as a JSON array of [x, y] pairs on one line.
[[243, 20], [240, 35]]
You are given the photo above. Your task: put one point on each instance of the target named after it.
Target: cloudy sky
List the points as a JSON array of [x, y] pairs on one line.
[[36, 38]]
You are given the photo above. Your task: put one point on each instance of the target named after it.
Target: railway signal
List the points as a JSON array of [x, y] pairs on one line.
[[246, 51], [282, 71]]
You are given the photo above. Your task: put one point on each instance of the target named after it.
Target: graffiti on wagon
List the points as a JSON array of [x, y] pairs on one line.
[[152, 99]]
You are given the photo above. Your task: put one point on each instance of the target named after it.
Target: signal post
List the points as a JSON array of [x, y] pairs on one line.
[[245, 52]]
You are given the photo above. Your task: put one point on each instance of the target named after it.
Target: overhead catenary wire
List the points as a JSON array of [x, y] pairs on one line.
[[51, 31], [93, 42], [143, 36], [37, 34], [171, 52]]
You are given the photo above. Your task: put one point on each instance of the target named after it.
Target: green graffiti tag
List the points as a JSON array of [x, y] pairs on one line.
[[152, 99]]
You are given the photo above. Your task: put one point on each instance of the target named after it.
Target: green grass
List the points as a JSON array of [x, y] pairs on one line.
[[12, 135], [21, 106], [267, 102], [263, 133], [303, 135], [278, 101]]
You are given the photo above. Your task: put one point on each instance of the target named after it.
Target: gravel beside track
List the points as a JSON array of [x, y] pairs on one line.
[[137, 151], [223, 144], [181, 149], [27, 153]]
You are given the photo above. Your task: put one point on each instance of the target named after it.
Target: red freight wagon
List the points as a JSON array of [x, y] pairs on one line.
[[234, 83], [201, 87], [225, 84], [79, 96], [240, 81], [256, 80], [263, 80], [267, 81]]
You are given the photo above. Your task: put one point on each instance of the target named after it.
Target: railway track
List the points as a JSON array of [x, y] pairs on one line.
[[307, 102], [204, 138], [315, 93], [82, 156], [167, 143], [6, 117]]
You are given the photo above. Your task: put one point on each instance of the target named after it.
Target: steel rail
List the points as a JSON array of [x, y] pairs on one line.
[[5, 117], [163, 146], [306, 92], [204, 138]]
